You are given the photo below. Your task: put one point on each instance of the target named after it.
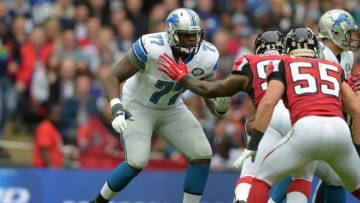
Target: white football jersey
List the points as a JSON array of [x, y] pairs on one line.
[[153, 88], [346, 58]]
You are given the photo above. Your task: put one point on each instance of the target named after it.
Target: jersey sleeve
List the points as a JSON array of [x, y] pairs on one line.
[[138, 55], [240, 65], [276, 71]]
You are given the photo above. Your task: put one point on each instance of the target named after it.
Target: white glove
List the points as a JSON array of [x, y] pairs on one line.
[[119, 115], [222, 104], [240, 160], [119, 123]]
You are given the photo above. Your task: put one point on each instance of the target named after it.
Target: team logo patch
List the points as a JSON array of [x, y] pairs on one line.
[[197, 71]]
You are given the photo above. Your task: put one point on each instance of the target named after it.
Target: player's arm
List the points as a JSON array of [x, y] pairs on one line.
[[218, 106], [124, 69], [219, 88], [121, 71], [275, 90], [351, 103], [250, 119]]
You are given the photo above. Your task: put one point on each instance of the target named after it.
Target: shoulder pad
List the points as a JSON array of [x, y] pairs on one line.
[[149, 45]]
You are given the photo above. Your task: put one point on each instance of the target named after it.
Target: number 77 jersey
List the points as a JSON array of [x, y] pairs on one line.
[[313, 86], [151, 87]]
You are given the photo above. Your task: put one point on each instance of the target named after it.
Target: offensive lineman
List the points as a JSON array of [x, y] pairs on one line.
[[337, 32], [314, 90], [151, 102]]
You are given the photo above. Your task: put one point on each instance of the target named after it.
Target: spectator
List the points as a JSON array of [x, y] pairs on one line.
[[117, 16], [79, 108], [125, 31], [66, 82], [53, 33], [221, 40], [47, 141], [108, 52], [100, 10], [212, 21], [20, 8], [90, 44], [69, 48], [64, 11], [157, 15], [81, 17], [33, 53], [133, 8]]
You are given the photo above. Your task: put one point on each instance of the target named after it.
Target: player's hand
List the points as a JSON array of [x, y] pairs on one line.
[[174, 70], [222, 104], [119, 116], [354, 82], [240, 160]]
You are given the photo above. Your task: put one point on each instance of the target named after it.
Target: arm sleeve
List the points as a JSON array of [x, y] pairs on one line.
[[276, 71]]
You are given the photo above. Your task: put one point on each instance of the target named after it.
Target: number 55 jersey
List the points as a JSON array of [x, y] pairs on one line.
[[312, 86], [151, 87]]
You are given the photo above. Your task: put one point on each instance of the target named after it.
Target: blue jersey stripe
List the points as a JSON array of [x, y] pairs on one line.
[[140, 53], [216, 65], [191, 17]]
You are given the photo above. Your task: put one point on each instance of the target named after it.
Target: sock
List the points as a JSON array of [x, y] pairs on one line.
[[106, 192], [259, 192], [299, 191], [334, 194], [242, 187], [196, 178], [119, 178], [356, 193], [278, 192], [191, 198]]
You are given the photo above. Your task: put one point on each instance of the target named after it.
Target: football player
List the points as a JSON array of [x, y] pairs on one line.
[[151, 101], [249, 74], [315, 91], [339, 37]]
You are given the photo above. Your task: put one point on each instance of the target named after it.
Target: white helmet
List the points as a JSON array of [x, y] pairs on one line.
[[183, 21], [337, 25]]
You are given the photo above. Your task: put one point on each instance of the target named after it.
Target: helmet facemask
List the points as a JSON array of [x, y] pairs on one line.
[[187, 42]]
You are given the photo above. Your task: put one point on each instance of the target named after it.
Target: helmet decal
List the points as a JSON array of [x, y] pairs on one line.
[[173, 19], [343, 17]]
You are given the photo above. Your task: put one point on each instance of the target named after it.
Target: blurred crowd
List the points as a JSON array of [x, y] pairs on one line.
[[56, 54]]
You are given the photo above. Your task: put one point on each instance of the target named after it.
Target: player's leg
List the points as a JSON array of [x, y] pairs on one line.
[[279, 126], [294, 152], [333, 190], [278, 193], [249, 169], [136, 141], [344, 158], [184, 132]]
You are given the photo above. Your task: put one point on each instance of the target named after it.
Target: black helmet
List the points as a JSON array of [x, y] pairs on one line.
[[301, 42], [269, 41]]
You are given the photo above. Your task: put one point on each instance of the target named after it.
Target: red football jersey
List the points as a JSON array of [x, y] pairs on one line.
[[313, 86], [255, 68]]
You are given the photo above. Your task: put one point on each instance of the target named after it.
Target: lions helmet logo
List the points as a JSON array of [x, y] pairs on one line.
[[343, 17]]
